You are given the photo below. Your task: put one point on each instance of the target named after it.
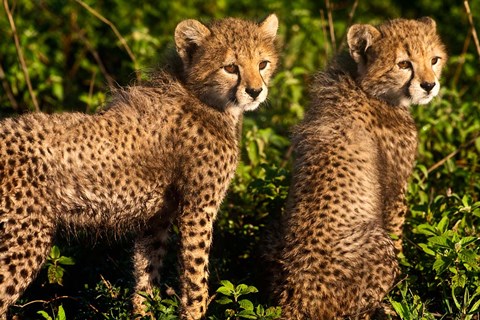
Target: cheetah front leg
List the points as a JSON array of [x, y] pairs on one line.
[[195, 225], [25, 241], [149, 251]]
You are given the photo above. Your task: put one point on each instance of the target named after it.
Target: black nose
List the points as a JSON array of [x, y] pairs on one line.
[[427, 86], [252, 92]]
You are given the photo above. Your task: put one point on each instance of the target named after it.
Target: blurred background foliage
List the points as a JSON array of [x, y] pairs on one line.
[[75, 50]]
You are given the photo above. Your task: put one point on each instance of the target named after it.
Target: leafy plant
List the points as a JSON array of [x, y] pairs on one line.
[[240, 307], [55, 265], [59, 316]]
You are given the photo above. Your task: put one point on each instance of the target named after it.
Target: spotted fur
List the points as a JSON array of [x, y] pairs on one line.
[[354, 153], [161, 151]]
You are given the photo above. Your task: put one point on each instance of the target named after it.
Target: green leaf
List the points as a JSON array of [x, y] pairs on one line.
[[440, 265], [246, 304], [227, 288], [443, 224], [55, 253], [224, 300], [401, 309], [467, 240], [44, 314], [426, 249], [61, 313], [441, 241], [247, 314], [66, 261], [260, 311], [244, 289]]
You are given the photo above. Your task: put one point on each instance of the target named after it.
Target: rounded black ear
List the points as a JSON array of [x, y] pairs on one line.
[[359, 38], [269, 26], [189, 34], [428, 21]]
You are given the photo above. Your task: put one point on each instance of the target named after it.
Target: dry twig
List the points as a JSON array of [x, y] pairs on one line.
[[324, 31], [351, 14], [451, 155], [20, 55], [330, 25], [8, 90], [461, 60], [114, 29], [474, 32]]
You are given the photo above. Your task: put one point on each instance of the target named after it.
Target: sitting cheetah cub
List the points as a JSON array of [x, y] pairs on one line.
[[161, 151], [354, 153]]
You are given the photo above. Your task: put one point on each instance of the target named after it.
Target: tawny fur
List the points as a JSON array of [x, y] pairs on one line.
[[161, 151], [354, 153]]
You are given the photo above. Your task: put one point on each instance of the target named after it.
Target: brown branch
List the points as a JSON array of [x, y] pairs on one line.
[[115, 30], [324, 31], [330, 25], [474, 32], [20, 55], [351, 14], [461, 59], [452, 154], [97, 58], [8, 90]]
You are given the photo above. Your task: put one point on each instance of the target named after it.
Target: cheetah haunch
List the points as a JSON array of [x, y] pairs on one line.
[[354, 153], [161, 151]]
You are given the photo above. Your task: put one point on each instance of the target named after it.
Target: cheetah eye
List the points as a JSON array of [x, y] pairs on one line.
[[263, 65], [435, 60], [231, 68], [404, 64]]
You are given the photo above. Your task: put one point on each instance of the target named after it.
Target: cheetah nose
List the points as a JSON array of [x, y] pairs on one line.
[[252, 92], [427, 86]]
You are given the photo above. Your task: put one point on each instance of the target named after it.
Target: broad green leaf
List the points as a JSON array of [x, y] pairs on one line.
[[246, 304], [401, 309], [426, 249], [467, 240], [247, 314], [443, 224], [66, 261], [61, 313], [227, 288], [244, 289], [224, 300], [440, 265], [55, 252], [259, 310], [439, 241], [44, 314]]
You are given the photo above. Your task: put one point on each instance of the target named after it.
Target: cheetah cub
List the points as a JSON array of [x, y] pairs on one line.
[[161, 151], [354, 153]]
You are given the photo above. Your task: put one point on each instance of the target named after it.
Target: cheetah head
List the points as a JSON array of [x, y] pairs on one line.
[[399, 61], [228, 63]]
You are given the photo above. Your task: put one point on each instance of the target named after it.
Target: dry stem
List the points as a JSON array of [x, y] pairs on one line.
[[20, 55], [330, 25], [115, 30], [474, 32]]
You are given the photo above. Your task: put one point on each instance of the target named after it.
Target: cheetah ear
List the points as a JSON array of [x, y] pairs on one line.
[[269, 26], [359, 38], [428, 21], [189, 35]]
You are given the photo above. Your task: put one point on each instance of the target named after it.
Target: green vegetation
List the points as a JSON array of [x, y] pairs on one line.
[[73, 52]]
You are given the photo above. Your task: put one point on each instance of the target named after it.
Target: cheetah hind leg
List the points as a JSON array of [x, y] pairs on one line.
[[24, 245], [149, 251]]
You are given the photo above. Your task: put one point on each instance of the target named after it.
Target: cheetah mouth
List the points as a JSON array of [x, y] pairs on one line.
[[251, 106]]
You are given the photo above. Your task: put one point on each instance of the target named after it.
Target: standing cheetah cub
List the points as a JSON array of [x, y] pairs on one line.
[[161, 151], [354, 153]]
